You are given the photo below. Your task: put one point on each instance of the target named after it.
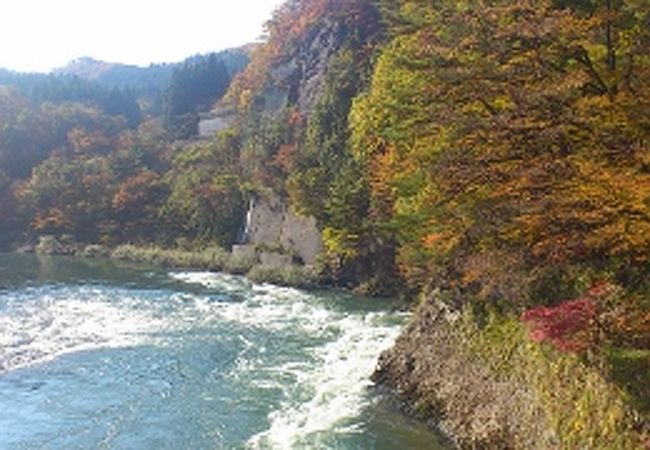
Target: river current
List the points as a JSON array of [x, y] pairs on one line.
[[96, 355]]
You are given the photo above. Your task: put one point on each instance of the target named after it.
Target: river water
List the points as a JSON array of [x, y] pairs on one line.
[[95, 355]]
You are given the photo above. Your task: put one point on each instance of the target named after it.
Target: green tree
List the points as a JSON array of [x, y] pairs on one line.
[[206, 200], [194, 87]]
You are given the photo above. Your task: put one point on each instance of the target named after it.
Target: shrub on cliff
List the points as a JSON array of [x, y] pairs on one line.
[[587, 405], [568, 326], [605, 315], [51, 245]]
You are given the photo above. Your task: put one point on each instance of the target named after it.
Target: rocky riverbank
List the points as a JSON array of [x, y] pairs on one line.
[[489, 386]]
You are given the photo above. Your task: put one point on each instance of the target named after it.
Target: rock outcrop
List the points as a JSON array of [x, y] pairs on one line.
[[297, 78], [272, 225], [438, 380]]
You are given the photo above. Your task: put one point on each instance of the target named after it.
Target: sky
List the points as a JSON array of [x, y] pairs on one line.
[[39, 35]]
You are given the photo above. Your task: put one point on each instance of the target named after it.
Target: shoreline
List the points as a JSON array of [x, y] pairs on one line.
[[210, 258]]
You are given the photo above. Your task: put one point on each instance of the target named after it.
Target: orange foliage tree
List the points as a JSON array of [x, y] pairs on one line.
[[516, 127]]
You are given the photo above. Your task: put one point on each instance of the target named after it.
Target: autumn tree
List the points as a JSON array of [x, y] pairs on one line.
[[506, 126], [69, 196], [136, 207]]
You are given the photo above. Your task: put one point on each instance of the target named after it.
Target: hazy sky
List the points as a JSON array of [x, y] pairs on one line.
[[38, 35]]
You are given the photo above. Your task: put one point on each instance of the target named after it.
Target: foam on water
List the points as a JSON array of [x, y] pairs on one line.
[[337, 383], [330, 389], [41, 324], [322, 376], [221, 281]]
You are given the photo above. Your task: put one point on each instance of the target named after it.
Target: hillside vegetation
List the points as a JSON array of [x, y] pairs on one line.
[[98, 160]]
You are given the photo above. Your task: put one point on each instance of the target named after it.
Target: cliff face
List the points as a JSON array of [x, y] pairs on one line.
[[293, 103], [415, 181], [298, 80], [271, 223], [383, 148], [291, 69]]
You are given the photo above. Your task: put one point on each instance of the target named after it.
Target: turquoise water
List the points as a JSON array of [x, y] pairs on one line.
[[95, 355]]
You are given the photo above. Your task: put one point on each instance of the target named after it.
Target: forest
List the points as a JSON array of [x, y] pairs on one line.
[[497, 150], [97, 160]]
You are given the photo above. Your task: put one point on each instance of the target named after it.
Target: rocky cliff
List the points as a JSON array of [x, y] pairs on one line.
[[301, 49], [355, 132], [292, 137]]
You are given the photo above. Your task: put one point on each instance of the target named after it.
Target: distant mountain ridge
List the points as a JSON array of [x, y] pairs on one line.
[[155, 76], [144, 79], [87, 67]]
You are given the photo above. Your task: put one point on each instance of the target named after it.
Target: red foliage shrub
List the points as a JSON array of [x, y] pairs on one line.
[[567, 326]]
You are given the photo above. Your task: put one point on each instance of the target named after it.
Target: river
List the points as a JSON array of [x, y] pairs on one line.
[[99, 355]]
